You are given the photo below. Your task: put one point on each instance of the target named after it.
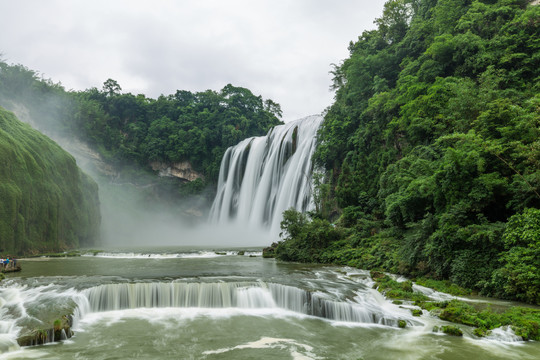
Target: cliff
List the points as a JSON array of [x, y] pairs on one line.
[[46, 202]]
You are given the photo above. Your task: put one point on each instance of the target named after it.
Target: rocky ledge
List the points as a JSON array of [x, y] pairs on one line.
[[182, 170]]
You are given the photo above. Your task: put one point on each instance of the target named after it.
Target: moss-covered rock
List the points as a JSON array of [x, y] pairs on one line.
[[48, 203], [452, 330], [393, 289], [60, 330], [525, 322]]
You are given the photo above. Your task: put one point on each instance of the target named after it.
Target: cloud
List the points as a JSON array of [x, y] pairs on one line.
[[277, 48]]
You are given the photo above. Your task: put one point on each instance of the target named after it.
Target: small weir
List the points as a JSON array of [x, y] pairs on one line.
[[28, 313], [248, 295]]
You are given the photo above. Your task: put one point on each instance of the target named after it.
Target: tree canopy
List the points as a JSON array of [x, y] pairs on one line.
[[432, 147], [185, 126]]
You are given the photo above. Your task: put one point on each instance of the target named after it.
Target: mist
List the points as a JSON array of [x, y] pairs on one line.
[[138, 207]]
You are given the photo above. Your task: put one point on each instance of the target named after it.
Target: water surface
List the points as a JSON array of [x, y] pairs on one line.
[[196, 304]]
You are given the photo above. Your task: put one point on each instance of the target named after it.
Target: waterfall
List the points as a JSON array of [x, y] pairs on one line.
[[247, 295], [261, 177]]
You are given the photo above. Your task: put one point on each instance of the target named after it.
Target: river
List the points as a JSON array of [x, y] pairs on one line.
[[197, 304]]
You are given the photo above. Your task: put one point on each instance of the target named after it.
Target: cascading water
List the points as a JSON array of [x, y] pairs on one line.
[[263, 176], [244, 295], [227, 307], [21, 305]]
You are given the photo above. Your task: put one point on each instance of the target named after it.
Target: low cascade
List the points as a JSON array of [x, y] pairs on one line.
[[263, 176], [229, 295]]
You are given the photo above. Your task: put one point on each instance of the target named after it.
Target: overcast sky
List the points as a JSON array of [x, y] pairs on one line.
[[280, 49]]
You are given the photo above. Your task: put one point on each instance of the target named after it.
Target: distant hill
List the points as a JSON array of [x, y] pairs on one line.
[[46, 202]]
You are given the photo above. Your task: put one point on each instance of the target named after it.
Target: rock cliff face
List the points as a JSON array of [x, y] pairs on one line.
[[182, 170]]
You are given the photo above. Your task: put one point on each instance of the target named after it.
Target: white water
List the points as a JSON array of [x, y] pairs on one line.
[[164, 255], [22, 306], [222, 307], [263, 176], [235, 295]]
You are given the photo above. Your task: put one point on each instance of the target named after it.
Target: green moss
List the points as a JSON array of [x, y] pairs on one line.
[[48, 203], [416, 312], [402, 324], [452, 330], [481, 332], [524, 321], [396, 290]]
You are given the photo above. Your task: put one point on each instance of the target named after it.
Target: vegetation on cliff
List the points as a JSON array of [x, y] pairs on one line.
[[133, 129], [47, 202], [431, 150]]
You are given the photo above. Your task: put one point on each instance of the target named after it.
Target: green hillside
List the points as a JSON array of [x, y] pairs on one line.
[[431, 151], [46, 202]]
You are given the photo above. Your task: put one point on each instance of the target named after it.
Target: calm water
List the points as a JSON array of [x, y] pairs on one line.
[[178, 304]]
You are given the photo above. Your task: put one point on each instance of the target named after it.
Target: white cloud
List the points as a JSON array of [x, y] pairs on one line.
[[280, 49]]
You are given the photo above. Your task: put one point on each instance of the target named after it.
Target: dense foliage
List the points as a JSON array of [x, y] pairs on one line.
[[46, 202], [525, 321], [126, 128], [194, 127], [432, 148]]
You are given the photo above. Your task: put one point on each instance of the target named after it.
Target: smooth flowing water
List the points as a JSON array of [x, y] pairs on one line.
[[178, 304], [263, 176]]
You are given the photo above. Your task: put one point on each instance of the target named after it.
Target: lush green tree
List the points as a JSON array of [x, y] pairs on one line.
[[133, 129], [520, 275], [433, 142]]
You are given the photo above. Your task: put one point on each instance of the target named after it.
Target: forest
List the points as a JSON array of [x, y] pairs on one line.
[[134, 129], [429, 159]]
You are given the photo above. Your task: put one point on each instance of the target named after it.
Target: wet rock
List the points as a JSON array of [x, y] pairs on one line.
[[61, 330]]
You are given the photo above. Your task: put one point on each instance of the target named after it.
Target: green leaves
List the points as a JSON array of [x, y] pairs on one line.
[[195, 127], [304, 239], [520, 275], [434, 138]]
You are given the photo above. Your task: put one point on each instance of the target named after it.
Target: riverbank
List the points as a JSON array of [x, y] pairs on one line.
[[481, 316], [524, 320]]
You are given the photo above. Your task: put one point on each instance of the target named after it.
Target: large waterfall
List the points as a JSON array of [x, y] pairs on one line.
[[263, 176]]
